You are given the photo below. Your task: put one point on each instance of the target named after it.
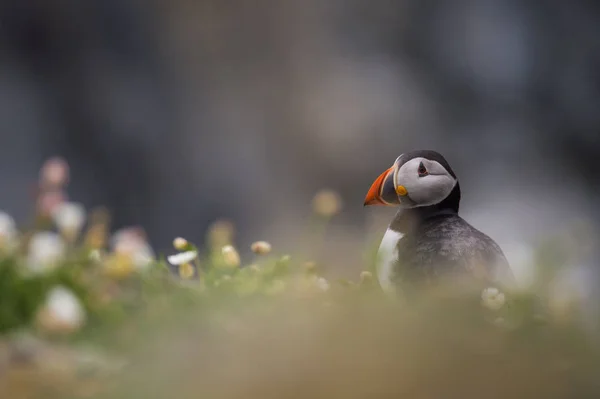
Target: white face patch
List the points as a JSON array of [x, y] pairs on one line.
[[387, 256], [426, 190]]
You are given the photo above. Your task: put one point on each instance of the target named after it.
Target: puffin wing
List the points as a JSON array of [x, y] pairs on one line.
[[490, 263]]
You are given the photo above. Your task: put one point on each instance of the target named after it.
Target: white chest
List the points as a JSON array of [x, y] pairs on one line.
[[387, 256]]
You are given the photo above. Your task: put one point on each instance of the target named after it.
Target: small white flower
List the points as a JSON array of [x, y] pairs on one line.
[[69, 217], [322, 284], [65, 308], [7, 223], [8, 231], [46, 249], [492, 298], [182, 258], [231, 256]]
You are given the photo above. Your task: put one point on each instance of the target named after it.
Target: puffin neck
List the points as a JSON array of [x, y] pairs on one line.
[[408, 219]]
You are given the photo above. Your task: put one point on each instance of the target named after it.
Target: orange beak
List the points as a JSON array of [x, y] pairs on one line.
[[374, 196]]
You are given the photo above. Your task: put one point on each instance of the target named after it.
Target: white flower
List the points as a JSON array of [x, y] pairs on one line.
[[322, 284], [46, 249], [7, 223], [131, 242], [492, 298], [69, 217], [182, 258], [231, 256], [8, 231], [64, 308]]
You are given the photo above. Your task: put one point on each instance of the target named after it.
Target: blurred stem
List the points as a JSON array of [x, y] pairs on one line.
[[317, 228]]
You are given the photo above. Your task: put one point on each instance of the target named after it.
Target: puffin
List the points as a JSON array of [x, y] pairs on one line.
[[428, 240]]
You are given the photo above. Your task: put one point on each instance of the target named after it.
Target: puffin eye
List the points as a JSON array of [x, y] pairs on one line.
[[422, 170]]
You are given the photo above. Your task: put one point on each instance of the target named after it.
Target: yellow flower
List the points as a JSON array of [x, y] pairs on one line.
[[186, 271], [180, 243], [261, 247], [96, 236], [327, 203], [119, 265]]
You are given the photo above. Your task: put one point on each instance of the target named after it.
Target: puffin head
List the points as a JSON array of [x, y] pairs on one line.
[[419, 178]]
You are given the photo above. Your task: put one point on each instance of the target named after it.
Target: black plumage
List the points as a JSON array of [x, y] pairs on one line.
[[439, 243], [434, 241]]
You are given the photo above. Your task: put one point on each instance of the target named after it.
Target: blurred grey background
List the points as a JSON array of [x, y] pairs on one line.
[[177, 113]]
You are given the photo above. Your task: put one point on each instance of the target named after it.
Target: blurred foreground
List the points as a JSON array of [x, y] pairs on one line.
[[87, 313]]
